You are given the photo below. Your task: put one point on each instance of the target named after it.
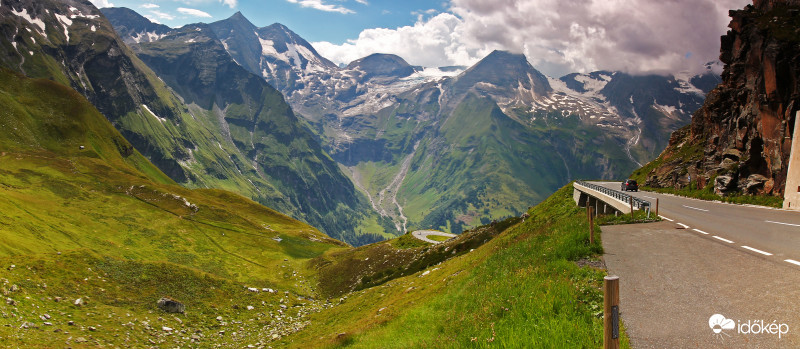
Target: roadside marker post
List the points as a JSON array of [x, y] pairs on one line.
[[611, 312], [630, 201], [656, 208], [591, 225]]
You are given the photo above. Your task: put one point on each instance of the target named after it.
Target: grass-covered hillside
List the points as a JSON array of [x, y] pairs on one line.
[[203, 120], [92, 235], [529, 286]]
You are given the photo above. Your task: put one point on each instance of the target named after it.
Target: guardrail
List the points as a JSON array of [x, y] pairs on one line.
[[624, 197]]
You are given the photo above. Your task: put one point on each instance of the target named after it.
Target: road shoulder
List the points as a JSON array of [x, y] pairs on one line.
[[672, 281]]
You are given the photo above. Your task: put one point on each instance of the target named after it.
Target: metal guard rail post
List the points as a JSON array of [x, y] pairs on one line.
[[624, 197]]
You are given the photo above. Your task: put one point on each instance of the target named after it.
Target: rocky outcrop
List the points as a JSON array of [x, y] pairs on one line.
[[170, 305], [739, 141]]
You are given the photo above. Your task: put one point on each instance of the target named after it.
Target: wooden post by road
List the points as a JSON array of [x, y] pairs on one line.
[[591, 225], [611, 312], [656, 208], [630, 201]]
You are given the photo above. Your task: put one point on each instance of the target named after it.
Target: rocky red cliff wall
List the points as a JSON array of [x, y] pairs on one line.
[[740, 139]]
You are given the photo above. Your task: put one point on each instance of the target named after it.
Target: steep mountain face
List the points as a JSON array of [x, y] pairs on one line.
[[272, 148], [654, 105], [399, 130], [274, 52], [739, 141], [132, 27], [508, 78], [455, 152], [72, 43], [263, 151]]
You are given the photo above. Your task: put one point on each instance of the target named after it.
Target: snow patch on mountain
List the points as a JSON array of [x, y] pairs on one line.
[[76, 13], [160, 119], [35, 21], [589, 105], [66, 22], [431, 74], [267, 47], [147, 37], [683, 79]]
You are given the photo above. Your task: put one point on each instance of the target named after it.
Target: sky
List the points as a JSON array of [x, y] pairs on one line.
[[557, 36]]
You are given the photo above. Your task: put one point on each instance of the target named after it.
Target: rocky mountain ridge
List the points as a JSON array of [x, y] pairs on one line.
[[739, 141]]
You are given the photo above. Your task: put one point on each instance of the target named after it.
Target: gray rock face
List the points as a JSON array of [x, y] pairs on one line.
[[723, 184], [170, 305], [755, 183], [744, 129]]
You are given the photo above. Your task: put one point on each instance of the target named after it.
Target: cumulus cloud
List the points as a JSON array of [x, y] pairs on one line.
[[149, 6], [322, 6], [433, 42], [162, 15], [193, 12], [558, 36], [102, 3], [229, 3], [362, 2]]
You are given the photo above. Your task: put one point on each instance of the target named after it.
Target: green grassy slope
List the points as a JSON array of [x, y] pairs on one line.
[[220, 127], [521, 289], [483, 165], [84, 225], [104, 225]]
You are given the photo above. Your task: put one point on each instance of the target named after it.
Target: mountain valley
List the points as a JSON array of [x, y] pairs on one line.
[[388, 124], [225, 185]]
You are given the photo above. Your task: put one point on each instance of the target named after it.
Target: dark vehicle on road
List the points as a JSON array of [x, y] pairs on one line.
[[630, 184]]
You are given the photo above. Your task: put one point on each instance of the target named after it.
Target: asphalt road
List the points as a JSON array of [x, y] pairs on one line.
[[423, 235], [772, 233], [705, 259]]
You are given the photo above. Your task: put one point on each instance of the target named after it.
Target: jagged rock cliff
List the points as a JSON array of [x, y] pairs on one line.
[[739, 141]]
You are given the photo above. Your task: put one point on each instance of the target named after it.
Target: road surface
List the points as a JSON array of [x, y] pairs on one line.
[[773, 233], [706, 259], [423, 235]]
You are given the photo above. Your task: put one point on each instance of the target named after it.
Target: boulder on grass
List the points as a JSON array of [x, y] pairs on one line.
[[170, 305]]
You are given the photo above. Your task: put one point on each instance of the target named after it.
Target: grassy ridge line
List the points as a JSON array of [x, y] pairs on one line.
[[521, 289], [60, 197], [49, 208], [86, 224]]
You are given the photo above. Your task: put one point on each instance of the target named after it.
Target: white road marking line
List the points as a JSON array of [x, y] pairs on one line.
[[792, 261], [794, 225], [757, 250], [649, 197], [684, 225], [662, 217], [695, 208], [700, 231], [723, 239]]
